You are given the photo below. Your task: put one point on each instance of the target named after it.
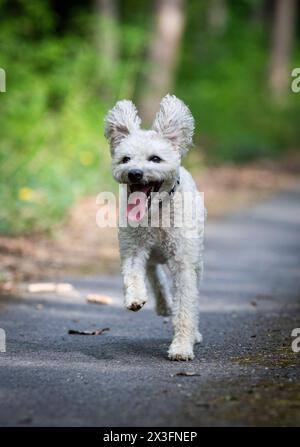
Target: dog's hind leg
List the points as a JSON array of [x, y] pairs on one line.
[[161, 288]]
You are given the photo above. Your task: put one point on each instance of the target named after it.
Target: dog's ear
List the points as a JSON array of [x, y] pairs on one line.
[[120, 122], [175, 122]]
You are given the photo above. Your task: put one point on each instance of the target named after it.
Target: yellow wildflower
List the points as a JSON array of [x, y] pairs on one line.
[[26, 194], [86, 158]]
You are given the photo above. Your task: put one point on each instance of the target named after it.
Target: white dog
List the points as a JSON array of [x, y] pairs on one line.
[[148, 161]]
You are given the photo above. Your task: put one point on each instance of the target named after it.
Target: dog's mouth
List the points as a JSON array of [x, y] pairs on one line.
[[138, 205], [146, 188]]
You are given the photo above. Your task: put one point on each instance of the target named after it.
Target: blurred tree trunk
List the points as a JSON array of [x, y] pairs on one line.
[[163, 53], [217, 16], [107, 39], [282, 44]]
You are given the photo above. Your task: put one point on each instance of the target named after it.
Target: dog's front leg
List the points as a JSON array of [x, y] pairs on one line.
[[134, 280], [185, 313]]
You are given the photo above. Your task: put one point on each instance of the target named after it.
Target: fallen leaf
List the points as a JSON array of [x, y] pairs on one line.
[[187, 373], [95, 332], [229, 398], [202, 404], [48, 287], [94, 298]]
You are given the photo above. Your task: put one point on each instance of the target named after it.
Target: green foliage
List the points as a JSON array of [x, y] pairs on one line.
[[224, 79], [59, 87], [52, 148]]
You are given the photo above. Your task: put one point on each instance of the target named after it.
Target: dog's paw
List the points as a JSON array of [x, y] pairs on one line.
[[163, 310], [135, 305], [181, 352], [198, 337]]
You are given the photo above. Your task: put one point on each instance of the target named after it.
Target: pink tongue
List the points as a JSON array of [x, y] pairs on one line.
[[137, 207]]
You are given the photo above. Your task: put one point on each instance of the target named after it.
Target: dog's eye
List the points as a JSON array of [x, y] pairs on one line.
[[125, 159], [155, 159]]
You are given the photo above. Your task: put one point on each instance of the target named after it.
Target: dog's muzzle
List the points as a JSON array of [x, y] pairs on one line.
[[135, 175]]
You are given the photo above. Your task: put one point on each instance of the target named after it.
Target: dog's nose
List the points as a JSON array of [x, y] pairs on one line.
[[135, 175]]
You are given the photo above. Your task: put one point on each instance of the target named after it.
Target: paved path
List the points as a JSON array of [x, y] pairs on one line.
[[246, 372]]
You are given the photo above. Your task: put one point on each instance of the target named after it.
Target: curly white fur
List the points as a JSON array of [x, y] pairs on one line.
[[175, 122], [120, 121], [144, 250]]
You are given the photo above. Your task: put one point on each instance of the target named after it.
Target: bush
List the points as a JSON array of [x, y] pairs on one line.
[[52, 148]]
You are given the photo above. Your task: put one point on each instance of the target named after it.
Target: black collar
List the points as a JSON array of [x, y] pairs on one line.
[[172, 191], [175, 186]]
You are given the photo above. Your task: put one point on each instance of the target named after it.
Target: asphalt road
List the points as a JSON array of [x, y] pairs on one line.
[[245, 371]]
